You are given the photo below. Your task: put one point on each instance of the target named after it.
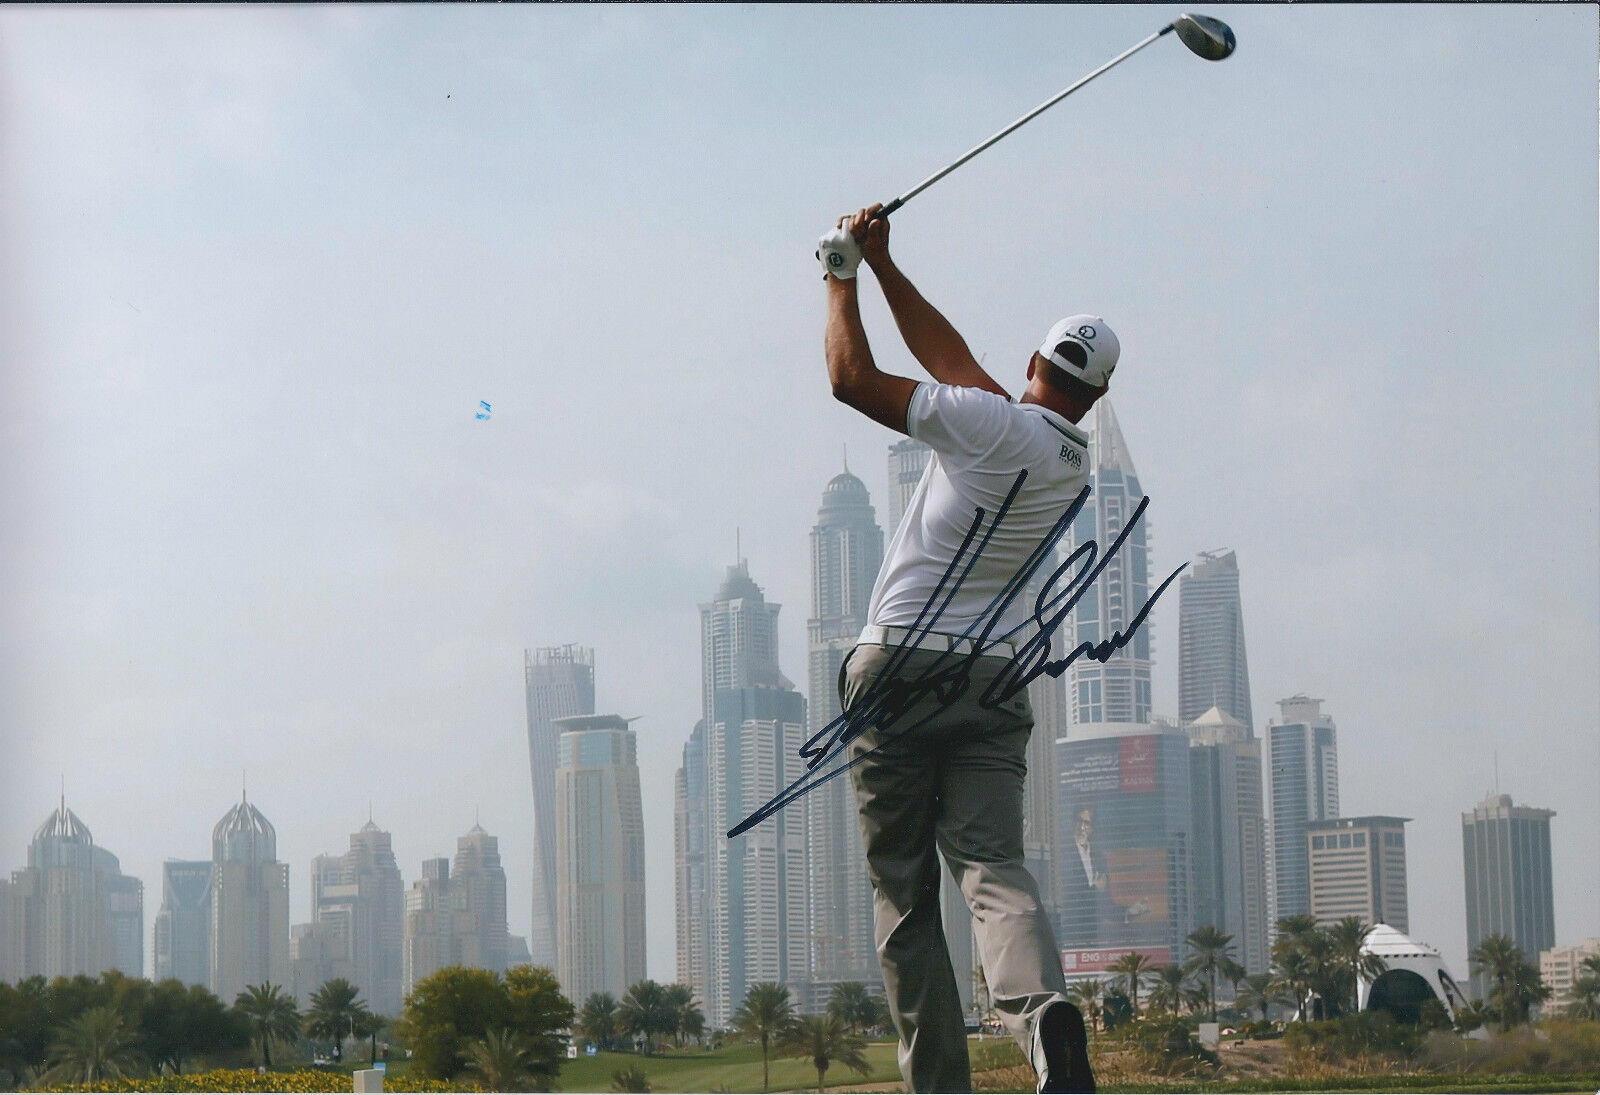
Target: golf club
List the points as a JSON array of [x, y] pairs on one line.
[[1206, 37]]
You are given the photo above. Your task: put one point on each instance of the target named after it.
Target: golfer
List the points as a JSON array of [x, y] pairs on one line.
[[948, 773]]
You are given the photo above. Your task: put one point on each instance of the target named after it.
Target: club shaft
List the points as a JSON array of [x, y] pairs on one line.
[[1034, 113]]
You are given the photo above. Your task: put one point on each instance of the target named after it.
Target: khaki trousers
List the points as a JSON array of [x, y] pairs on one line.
[[949, 775]]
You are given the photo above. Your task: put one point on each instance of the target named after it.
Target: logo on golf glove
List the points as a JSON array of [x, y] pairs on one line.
[[839, 254]]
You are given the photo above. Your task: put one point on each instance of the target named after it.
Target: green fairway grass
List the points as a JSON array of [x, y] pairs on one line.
[[734, 1067]]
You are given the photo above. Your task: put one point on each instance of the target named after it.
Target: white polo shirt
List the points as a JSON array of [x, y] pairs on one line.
[[980, 442]]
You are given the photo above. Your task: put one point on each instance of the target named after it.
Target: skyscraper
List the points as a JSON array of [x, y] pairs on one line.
[[71, 909], [846, 553], [758, 907], [455, 915], [357, 922], [183, 926], [430, 941], [1123, 851], [600, 933], [1118, 690], [690, 833], [1302, 787], [1505, 851], [1357, 867], [756, 901], [1212, 671], [1230, 876], [908, 459], [248, 904], [559, 682], [479, 883]]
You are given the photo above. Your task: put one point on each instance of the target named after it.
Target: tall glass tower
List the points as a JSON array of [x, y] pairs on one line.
[[846, 554], [1117, 691], [908, 460], [1212, 671], [1230, 877], [756, 901], [183, 923], [600, 856], [1123, 846], [691, 831], [359, 899], [1302, 786], [71, 910], [1505, 850], [560, 683], [249, 904]]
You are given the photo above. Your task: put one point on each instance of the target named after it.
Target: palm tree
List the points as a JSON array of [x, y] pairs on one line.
[[1586, 988], [1260, 991], [501, 1060], [598, 1019], [97, 1045], [1233, 973], [851, 1002], [1515, 1000], [826, 1039], [645, 1010], [336, 1011], [1136, 968], [766, 1014], [1585, 997], [1303, 957], [367, 1025], [1170, 991], [688, 1021], [1087, 995], [1348, 938], [271, 1015], [1212, 948], [1499, 957], [1295, 974]]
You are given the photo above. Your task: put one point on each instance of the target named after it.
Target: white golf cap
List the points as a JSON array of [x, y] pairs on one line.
[[1084, 347]]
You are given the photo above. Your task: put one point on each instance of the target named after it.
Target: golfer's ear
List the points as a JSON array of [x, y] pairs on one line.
[[882, 397]]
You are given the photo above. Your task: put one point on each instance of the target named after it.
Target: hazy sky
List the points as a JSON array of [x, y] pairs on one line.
[[260, 264]]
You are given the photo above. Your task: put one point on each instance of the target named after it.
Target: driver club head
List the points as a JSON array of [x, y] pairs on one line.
[[1206, 37]]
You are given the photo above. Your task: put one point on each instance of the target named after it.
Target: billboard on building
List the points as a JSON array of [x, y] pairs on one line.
[[1115, 857], [1101, 959]]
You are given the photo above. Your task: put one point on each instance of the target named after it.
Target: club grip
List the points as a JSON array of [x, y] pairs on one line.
[[883, 214]]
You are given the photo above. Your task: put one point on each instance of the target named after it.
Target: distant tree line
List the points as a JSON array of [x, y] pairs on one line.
[[1315, 973], [80, 1029]]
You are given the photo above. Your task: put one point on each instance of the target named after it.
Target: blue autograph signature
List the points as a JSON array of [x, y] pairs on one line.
[[889, 698]]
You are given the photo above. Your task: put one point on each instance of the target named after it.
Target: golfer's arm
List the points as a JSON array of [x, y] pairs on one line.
[[856, 379], [931, 339]]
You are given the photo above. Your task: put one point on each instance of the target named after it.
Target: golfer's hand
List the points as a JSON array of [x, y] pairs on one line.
[[839, 254], [872, 235]]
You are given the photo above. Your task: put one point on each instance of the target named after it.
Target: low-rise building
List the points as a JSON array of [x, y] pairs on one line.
[[1559, 968]]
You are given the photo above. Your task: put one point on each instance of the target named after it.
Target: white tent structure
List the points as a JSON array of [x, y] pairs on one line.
[[1415, 973]]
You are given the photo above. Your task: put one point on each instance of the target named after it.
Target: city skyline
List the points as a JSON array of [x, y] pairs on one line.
[[275, 257], [760, 622]]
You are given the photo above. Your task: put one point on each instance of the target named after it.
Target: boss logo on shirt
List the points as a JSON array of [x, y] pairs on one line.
[[1072, 456]]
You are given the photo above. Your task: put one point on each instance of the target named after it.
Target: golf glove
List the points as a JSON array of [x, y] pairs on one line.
[[839, 254]]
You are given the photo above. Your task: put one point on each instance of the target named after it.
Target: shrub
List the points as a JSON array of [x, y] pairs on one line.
[[248, 1079], [1362, 1037]]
